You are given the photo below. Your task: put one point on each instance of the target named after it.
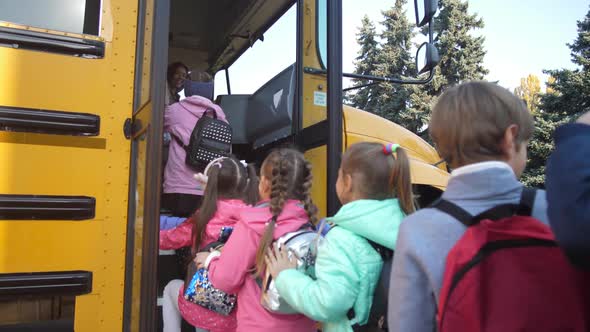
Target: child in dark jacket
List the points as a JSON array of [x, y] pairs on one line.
[[481, 130], [568, 189]]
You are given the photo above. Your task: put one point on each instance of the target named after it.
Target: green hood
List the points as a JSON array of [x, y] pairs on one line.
[[374, 220]]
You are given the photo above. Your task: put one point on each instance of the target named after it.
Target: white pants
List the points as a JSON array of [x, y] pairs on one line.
[[170, 312]]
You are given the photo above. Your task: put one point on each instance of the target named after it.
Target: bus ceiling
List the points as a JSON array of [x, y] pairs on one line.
[[217, 33]]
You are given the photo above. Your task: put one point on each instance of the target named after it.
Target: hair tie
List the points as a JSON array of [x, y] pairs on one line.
[[202, 177], [390, 148]]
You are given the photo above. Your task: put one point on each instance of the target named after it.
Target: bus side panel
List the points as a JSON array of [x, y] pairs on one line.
[[65, 165]]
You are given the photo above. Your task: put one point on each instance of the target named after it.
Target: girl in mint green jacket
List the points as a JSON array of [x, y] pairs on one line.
[[375, 189]]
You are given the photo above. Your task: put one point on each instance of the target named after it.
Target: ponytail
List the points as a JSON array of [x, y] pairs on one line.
[[208, 208], [380, 171], [251, 192], [400, 181]]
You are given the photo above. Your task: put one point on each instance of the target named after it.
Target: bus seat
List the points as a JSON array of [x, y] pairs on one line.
[[271, 109], [266, 115], [235, 108]]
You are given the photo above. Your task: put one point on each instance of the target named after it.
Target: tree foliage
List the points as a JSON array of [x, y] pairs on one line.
[[530, 91], [461, 53], [365, 64], [566, 98]]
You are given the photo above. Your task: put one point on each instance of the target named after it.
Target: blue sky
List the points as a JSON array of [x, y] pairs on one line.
[[522, 37]]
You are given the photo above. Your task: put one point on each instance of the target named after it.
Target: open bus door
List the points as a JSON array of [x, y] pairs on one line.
[[145, 131]]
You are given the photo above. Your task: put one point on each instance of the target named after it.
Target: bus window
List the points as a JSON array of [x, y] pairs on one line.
[[264, 60], [77, 16], [322, 26]]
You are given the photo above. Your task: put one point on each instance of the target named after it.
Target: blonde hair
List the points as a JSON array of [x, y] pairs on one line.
[[469, 121], [380, 175]]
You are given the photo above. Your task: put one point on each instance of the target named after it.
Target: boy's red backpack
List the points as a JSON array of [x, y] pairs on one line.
[[506, 273]]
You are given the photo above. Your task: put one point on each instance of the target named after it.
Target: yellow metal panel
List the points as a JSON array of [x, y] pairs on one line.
[[372, 126], [64, 165], [312, 84], [317, 158]]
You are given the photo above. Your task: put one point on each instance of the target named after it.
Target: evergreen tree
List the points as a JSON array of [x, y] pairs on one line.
[[408, 105], [567, 97], [571, 88], [365, 64], [395, 60], [461, 53]]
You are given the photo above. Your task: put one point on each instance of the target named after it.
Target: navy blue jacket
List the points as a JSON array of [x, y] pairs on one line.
[[568, 190]]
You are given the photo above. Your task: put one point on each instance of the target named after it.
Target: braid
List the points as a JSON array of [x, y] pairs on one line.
[[279, 186], [290, 177], [310, 208], [278, 196]]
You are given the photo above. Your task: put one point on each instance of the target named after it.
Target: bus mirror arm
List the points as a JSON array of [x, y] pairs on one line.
[[377, 79], [374, 79], [427, 58]]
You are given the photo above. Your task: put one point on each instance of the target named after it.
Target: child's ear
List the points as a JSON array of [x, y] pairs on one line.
[[264, 186], [347, 182], [509, 145]]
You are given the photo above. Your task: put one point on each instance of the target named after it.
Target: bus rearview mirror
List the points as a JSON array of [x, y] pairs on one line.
[[425, 10], [426, 58]]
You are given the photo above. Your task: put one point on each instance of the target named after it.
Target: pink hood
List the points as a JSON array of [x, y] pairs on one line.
[[290, 220], [228, 213], [197, 105], [180, 120]]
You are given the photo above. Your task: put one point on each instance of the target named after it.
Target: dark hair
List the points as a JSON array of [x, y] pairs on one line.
[[230, 181], [469, 121], [291, 178], [172, 70], [379, 175]]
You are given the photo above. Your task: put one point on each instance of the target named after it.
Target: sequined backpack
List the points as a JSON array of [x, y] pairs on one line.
[[199, 289]]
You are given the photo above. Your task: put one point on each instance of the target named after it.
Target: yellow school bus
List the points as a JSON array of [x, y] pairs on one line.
[[82, 86]]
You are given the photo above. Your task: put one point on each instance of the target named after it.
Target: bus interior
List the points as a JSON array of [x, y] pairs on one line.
[[212, 36], [115, 250]]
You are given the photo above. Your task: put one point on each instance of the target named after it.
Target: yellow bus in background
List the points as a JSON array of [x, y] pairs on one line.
[[82, 85]]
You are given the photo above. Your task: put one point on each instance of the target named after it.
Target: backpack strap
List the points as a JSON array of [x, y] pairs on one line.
[[527, 201], [454, 211], [524, 208], [210, 110], [179, 141]]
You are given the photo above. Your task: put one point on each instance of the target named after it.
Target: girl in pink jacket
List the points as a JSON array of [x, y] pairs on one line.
[[286, 206], [229, 184], [182, 192]]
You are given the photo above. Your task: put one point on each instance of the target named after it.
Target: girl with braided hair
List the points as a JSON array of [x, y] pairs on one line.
[[229, 187], [375, 189], [285, 207]]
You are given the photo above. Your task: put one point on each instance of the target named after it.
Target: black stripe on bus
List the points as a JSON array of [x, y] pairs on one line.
[[48, 122], [47, 42], [32, 207], [59, 283]]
